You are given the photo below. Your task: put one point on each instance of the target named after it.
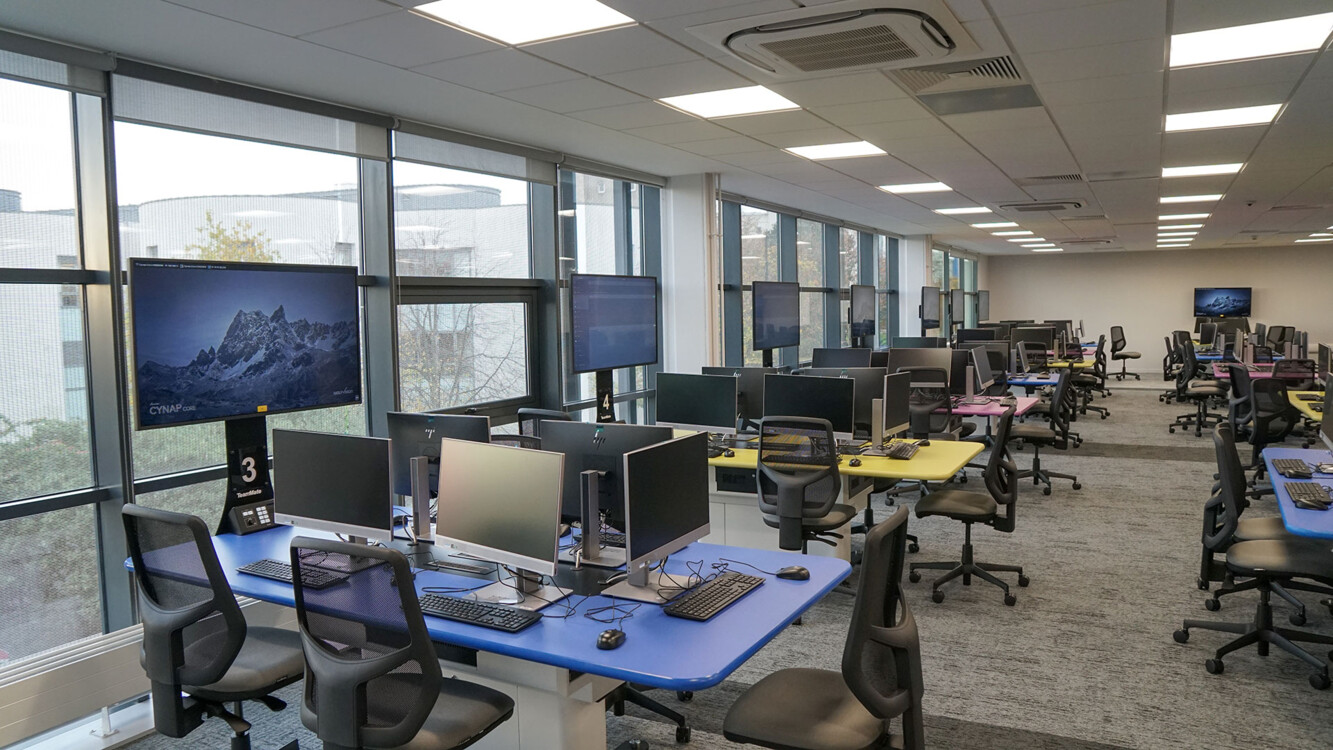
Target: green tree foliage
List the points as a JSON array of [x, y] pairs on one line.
[[238, 243]]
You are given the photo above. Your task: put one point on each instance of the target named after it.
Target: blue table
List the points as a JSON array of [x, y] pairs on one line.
[[1312, 523], [1030, 382], [553, 670]]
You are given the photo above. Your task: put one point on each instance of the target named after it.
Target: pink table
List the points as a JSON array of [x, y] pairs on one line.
[[1264, 371], [993, 409]]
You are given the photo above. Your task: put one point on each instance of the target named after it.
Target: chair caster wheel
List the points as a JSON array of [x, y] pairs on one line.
[[685, 696], [1202, 584], [1296, 618], [937, 596], [1214, 666], [914, 547], [962, 479], [1024, 581], [1104, 416], [1171, 430], [682, 734], [1181, 636], [1078, 486], [1045, 490], [1010, 600], [1212, 605], [914, 577], [1319, 681]]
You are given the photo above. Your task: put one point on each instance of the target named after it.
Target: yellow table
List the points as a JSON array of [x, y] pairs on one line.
[[1304, 406], [932, 463], [1081, 364]]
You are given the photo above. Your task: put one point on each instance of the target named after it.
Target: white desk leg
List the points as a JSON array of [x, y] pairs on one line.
[[553, 710]]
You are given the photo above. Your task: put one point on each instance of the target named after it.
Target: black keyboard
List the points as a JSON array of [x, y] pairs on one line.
[[485, 614], [902, 451], [1310, 396], [311, 578], [712, 596], [1292, 467], [1310, 492]]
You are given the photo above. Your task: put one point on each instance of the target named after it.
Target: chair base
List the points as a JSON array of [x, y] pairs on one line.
[[1261, 633], [615, 702], [966, 568], [1125, 373], [1040, 476], [1283, 591], [1200, 419]]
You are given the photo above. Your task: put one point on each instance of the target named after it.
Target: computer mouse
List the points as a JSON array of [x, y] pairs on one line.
[[923, 443], [610, 639], [728, 453], [794, 573], [854, 462], [1310, 506], [564, 529]]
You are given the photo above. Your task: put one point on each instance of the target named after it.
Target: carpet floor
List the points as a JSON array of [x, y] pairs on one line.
[[1085, 661]]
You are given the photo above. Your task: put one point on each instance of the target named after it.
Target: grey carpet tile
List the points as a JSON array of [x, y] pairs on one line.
[[1085, 659]]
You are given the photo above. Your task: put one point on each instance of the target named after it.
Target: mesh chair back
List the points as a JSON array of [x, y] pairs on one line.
[[881, 661], [1262, 354], [1298, 374], [1189, 367], [1222, 513], [193, 627], [1240, 402], [517, 441], [1118, 342], [1001, 475], [1063, 404], [1099, 360], [530, 420], [371, 671], [1272, 415], [797, 473], [925, 398]]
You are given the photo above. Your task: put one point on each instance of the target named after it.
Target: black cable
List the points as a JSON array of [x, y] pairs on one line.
[[748, 565]]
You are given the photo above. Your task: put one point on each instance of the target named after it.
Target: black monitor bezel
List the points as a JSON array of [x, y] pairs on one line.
[[657, 321], [790, 286]]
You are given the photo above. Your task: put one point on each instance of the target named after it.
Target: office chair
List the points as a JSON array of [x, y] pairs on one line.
[[931, 408], [1267, 562], [1093, 380], [880, 679], [1199, 392], [530, 442], [530, 420], [798, 481], [1297, 374], [373, 678], [1240, 403], [1119, 353], [195, 639], [1272, 418], [1054, 434], [1170, 369], [1001, 478], [1032, 356], [999, 369]]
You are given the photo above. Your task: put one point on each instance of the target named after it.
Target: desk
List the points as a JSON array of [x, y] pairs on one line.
[[1034, 380], [1306, 408], [1080, 364], [553, 670], [1314, 523], [735, 519], [1221, 372], [992, 408]]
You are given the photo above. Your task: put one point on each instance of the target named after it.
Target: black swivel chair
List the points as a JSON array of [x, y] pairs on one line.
[[373, 679], [799, 482], [517, 441], [1272, 418], [195, 639], [1093, 380], [880, 680], [1197, 391], [530, 420], [999, 368], [1240, 404], [1119, 353], [1267, 562], [931, 408], [1054, 434], [1001, 478], [1298, 374]]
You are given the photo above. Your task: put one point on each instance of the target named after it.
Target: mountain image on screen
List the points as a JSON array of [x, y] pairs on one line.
[[263, 360], [1222, 302]]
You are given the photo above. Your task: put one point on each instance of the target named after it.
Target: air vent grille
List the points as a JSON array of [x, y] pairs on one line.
[[870, 45], [1049, 179], [957, 76], [1042, 206]]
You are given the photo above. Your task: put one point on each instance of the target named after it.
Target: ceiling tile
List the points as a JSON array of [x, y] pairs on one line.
[[776, 122], [843, 89], [1201, 15], [572, 96], [293, 17], [884, 110], [613, 51], [1240, 84], [637, 115], [703, 11], [889, 132], [498, 70], [1108, 88], [1143, 56], [878, 170], [737, 144], [401, 39], [812, 137], [649, 10], [1221, 146], [681, 132], [681, 78], [772, 156], [1076, 28]]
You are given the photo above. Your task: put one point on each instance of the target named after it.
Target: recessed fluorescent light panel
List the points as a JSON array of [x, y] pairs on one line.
[[1161, 235], [1179, 226], [1014, 233], [1048, 249], [523, 21], [1181, 217], [1322, 239], [1174, 244], [996, 224], [1041, 244], [918, 187], [1202, 170], [837, 150], [1285, 37], [1191, 198], [747, 100], [1029, 239], [1222, 118], [1321, 234], [965, 210]]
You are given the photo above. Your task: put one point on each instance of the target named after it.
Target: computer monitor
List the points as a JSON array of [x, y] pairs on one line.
[[959, 361], [919, 342], [996, 346], [981, 371], [930, 306], [331, 482], [879, 358], [957, 306], [666, 508], [861, 310], [899, 358], [1222, 302], [983, 304], [1017, 322], [502, 504], [841, 358], [1062, 326], [897, 403], [597, 447], [1041, 334], [697, 402], [975, 334], [1001, 329], [1322, 360], [833, 399], [776, 314], [612, 321], [218, 340], [749, 391], [869, 383], [413, 434]]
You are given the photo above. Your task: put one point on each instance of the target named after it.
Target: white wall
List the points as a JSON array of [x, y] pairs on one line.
[[690, 301], [1152, 293]]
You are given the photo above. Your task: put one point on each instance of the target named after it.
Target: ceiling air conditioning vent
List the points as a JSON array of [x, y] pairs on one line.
[[1088, 241], [1051, 179], [842, 36], [959, 76], [1042, 206]]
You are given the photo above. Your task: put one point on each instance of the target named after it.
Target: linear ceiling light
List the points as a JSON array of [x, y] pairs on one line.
[[837, 150], [1321, 234], [1181, 217], [963, 210], [746, 100], [917, 187], [1040, 244], [1191, 198], [1173, 244], [1179, 226], [1284, 37], [523, 21], [1048, 249], [1321, 239], [1222, 118], [1028, 239], [1160, 235], [996, 224], [1201, 170], [1012, 233]]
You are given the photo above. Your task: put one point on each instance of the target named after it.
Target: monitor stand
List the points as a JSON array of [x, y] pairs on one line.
[[590, 551], [247, 467], [525, 591], [648, 586], [340, 563], [606, 410], [768, 357], [422, 530]]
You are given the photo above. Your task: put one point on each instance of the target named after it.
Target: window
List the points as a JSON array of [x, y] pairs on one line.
[[452, 223], [810, 273], [886, 283], [759, 262], [452, 355], [38, 228]]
